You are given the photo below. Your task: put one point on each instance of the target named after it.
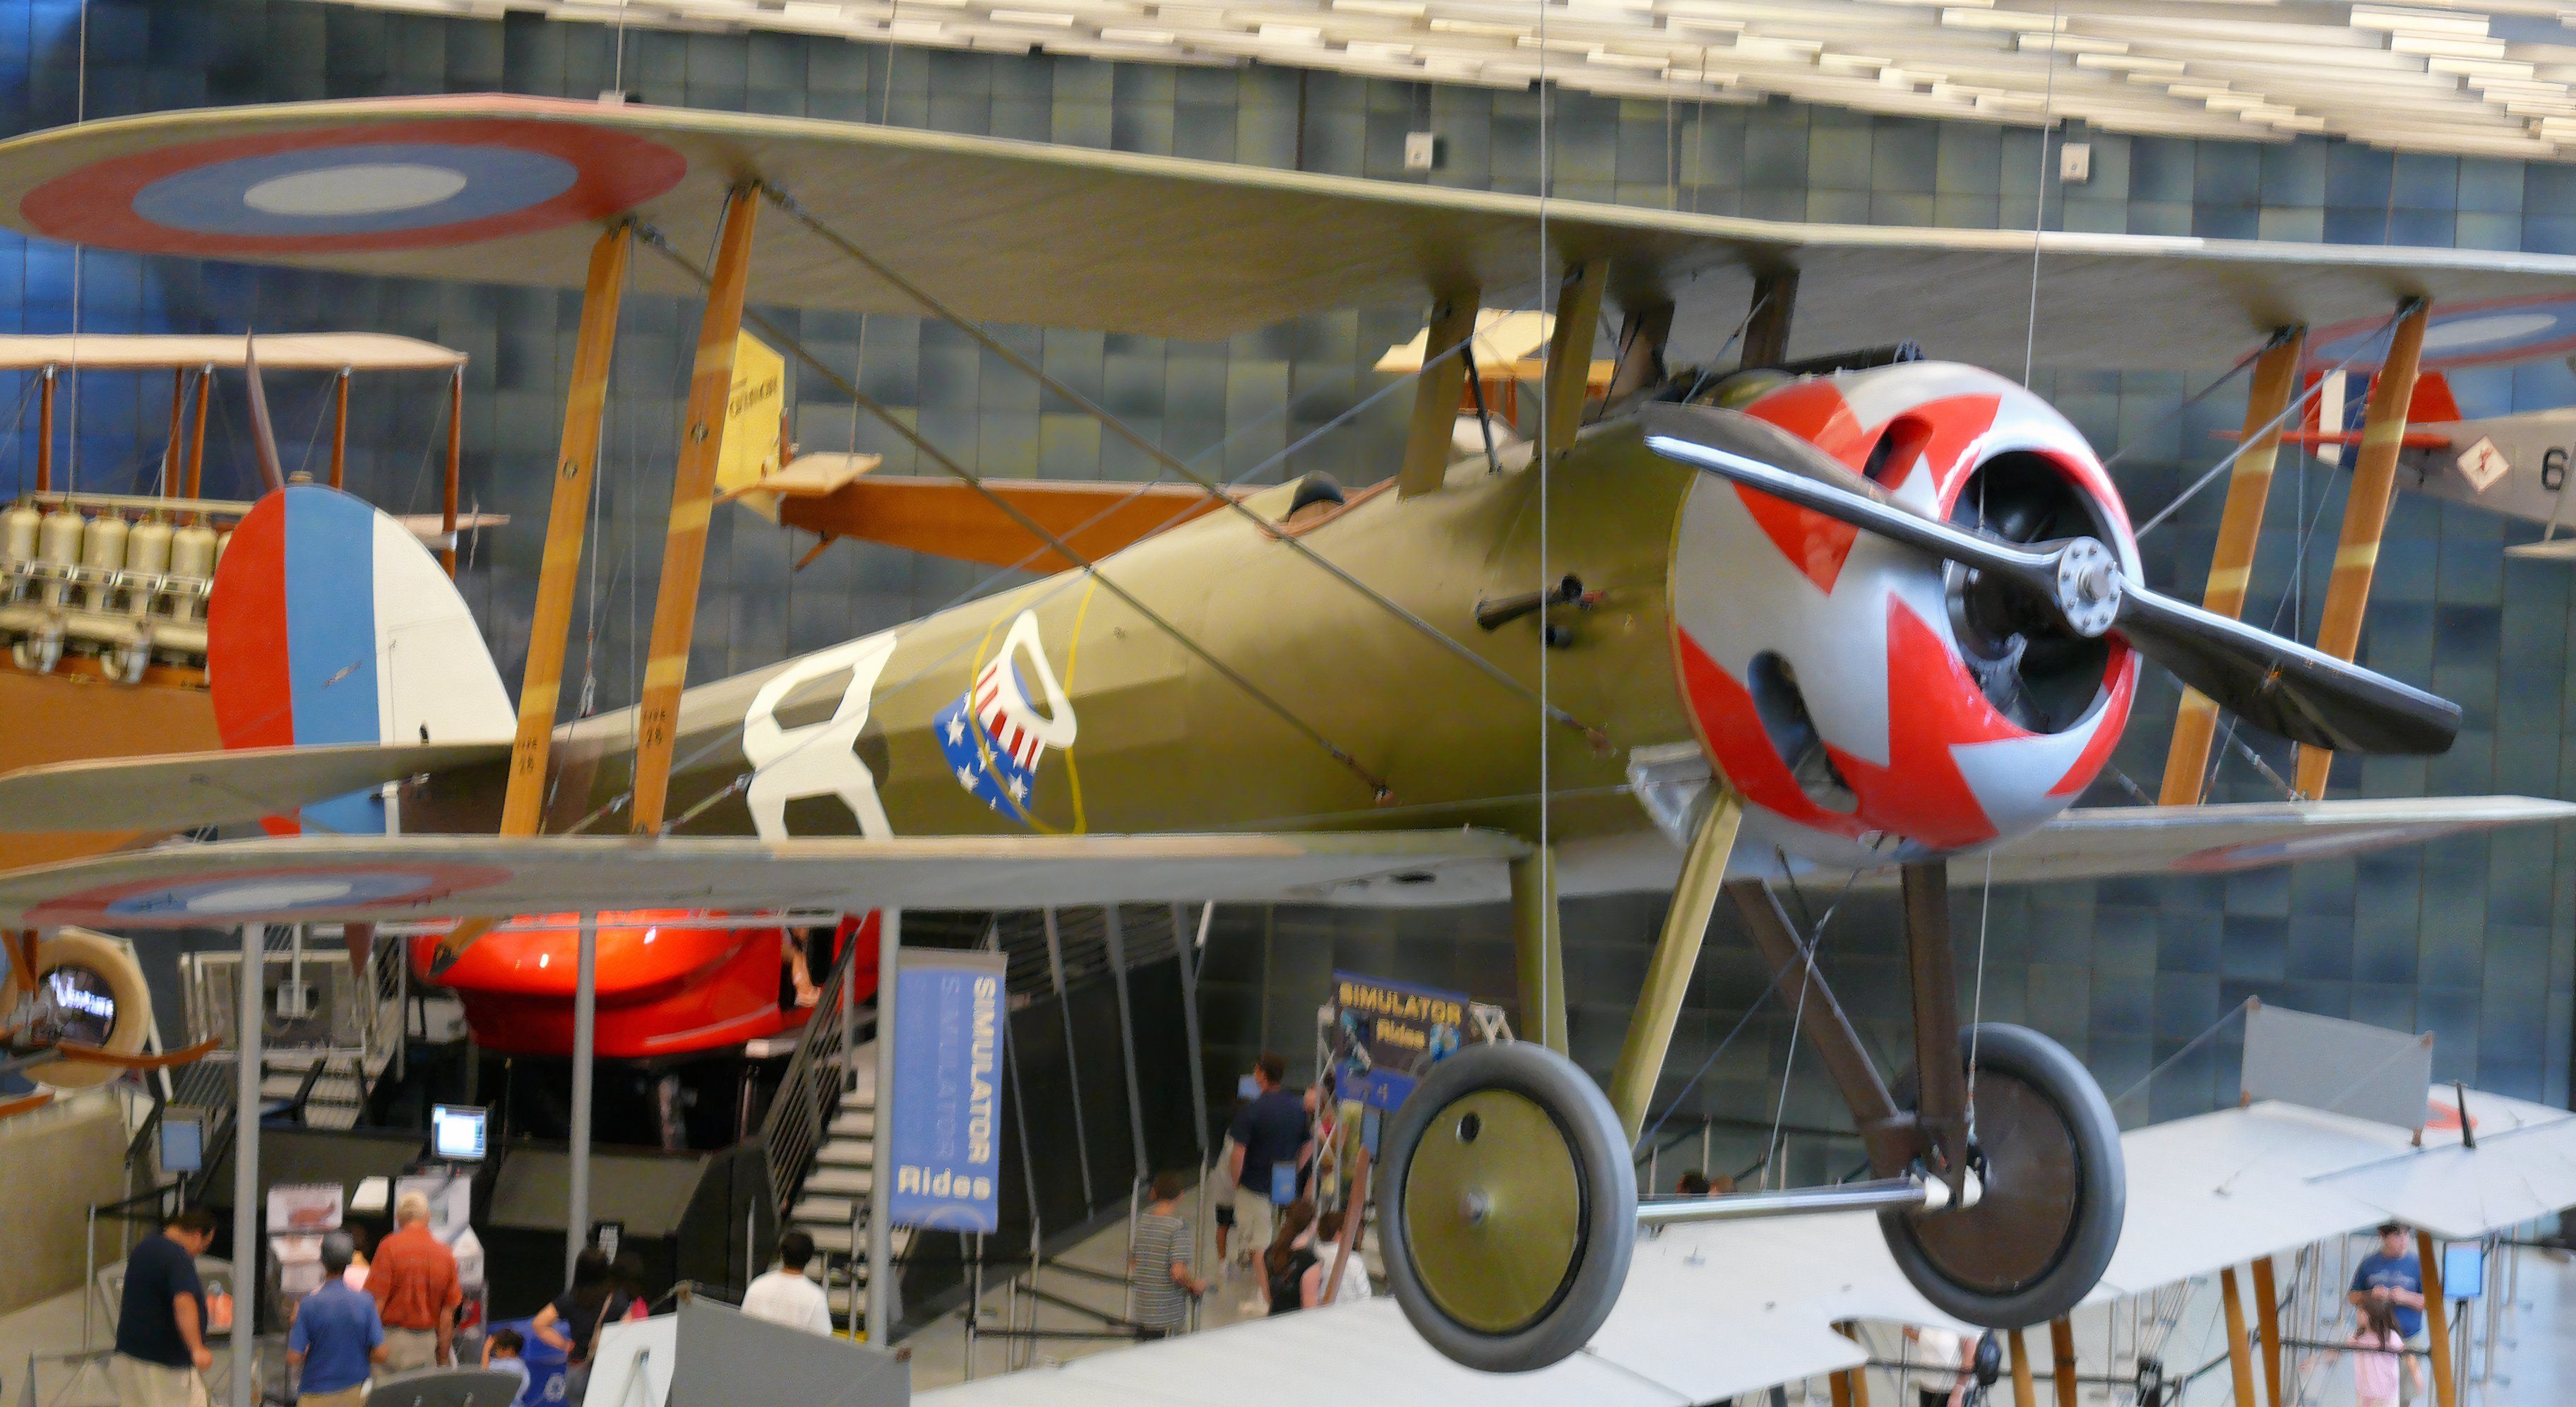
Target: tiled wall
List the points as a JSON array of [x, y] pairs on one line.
[[2469, 938]]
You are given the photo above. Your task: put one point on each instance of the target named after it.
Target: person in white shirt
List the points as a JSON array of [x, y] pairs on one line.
[[785, 1295]]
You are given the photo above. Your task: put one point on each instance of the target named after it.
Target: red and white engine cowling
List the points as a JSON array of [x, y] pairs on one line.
[[1870, 703]]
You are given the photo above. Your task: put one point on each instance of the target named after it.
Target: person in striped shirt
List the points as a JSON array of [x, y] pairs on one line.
[[1158, 1263]]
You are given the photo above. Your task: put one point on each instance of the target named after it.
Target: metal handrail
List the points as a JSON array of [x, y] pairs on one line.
[[806, 1100]]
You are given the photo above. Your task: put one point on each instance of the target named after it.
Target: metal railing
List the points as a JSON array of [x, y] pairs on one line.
[[800, 1113]]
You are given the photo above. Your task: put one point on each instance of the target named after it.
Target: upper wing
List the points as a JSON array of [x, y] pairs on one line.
[[514, 189], [357, 878]]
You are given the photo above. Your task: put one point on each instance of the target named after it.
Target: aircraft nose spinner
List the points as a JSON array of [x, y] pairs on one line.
[[1871, 703]]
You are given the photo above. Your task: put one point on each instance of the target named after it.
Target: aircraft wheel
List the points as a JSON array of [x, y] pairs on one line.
[[1508, 1207], [2055, 1191], [112, 963]]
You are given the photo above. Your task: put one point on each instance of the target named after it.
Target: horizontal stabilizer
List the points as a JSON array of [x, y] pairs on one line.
[[181, 791], [951, 518], [357, 878]]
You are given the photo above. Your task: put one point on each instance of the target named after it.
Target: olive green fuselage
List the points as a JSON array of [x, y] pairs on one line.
[[1165, 737]]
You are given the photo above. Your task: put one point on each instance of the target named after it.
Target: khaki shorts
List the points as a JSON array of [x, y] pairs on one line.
[[408, 1349], [1254, 1220], [353, 1396], [141, 1384]]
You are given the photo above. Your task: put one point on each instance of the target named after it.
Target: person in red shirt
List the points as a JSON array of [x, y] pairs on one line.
[[413, 1279]]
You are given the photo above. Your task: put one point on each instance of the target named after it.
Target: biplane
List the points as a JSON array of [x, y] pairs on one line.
[[1821, 613]]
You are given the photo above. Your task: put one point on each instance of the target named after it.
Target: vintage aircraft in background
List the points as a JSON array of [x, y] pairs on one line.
[[1860, 614], [2515, 464], [75, 1013]]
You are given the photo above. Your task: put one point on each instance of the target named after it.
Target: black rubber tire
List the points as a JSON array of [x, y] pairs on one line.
[[1607, 1195], [2087, 1196]]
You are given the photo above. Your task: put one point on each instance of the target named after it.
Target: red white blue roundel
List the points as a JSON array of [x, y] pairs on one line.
[[356, 187], [2493, 333], [278, 894]]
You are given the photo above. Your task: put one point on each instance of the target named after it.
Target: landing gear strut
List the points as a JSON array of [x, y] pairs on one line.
[[1509, 1208], [2038, 1141]]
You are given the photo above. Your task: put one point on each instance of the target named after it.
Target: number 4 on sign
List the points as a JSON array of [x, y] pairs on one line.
[[2482, 464]]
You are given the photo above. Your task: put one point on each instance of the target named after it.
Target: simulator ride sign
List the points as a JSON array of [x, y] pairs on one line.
[[946, 1130], [1387, 1036]]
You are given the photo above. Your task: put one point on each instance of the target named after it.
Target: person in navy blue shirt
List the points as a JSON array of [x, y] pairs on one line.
[[2392, 1274], [1270, 1133], [337, 1339]]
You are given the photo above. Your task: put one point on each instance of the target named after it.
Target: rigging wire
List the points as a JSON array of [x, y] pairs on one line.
[[954, 469], [2297, 402], [937, 308]]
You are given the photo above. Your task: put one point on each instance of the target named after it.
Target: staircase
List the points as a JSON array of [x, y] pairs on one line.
[[834, 1196], [330, 1086]]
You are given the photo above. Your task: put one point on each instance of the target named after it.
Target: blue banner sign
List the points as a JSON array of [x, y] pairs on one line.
[[1388, 1035], [948, 1025]]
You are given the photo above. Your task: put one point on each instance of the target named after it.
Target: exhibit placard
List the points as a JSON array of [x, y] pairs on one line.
[[946, 1124], [1389, 1034]]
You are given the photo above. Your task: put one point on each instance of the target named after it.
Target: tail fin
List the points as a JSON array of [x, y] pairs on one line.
[[330, 623], [754, 445]]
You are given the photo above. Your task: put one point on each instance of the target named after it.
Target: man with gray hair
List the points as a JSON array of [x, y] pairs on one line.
[[413, 1279]]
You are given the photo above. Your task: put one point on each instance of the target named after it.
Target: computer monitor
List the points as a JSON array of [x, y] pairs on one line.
[[456, 1131], [2464, 1270]]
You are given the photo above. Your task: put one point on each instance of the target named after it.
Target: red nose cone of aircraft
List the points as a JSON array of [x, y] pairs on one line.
[[669, 982], [1867, 702]]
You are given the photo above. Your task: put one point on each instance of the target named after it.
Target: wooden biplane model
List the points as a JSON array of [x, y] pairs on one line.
[[1864, 621]]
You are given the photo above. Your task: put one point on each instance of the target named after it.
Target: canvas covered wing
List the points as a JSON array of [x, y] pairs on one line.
[[1723, 1310], [2102, 842], [356, 878], [501, 188]]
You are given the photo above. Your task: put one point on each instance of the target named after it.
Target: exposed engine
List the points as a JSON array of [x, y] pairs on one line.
[[1867, 700], [108, 577]]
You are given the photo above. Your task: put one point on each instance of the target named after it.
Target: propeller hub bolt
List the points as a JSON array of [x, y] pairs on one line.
[[2088, 586]]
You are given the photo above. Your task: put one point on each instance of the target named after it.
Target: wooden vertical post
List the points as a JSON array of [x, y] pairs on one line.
[[1569, 352], [456, 428], [340, 429], [1539, 948], [2025, 1392], [2240, 1361], [566, 521], [1668, 972], [170, 457], [197, 433], [2061, 1343], [2437, 1318], [1860, 1376], [45, 434], [684, 549], [2267, 1320], [1435, 393], [1641, 349], [2240, 526], [1766, 328], [2365, 516]]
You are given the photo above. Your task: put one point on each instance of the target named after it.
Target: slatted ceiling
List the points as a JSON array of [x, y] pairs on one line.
[[2485, 79]]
